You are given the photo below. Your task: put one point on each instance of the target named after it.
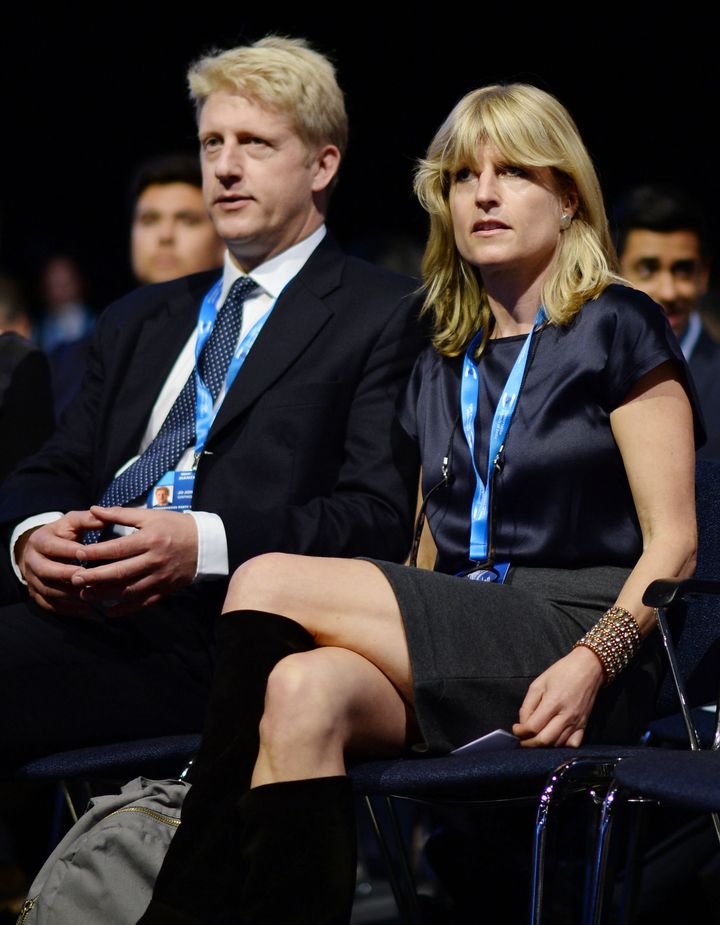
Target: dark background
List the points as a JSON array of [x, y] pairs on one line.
[[88, 97]]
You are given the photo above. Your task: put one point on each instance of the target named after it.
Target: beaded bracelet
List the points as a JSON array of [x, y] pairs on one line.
[[615, 639]]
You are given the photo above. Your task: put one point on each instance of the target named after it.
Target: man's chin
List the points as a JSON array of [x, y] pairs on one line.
[[679, 324]]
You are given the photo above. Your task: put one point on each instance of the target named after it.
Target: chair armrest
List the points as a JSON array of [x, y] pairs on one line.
[[667, 591]]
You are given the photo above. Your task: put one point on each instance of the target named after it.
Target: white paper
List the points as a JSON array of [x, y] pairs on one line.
[[497, 739]]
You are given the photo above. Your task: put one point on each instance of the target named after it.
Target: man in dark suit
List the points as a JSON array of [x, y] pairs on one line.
[[171, 235], [663, 248], [286, 372]]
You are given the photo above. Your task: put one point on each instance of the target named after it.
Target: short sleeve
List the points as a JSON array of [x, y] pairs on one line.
[[637, 338]]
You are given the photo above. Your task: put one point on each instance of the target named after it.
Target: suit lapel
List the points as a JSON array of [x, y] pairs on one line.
[[158, 343], [300, 313]]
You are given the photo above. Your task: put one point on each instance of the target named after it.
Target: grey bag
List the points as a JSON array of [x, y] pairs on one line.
[[103, 871]]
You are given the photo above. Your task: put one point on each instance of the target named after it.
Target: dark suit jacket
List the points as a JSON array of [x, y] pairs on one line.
[[304, 455], [26, 406], [704, 365]]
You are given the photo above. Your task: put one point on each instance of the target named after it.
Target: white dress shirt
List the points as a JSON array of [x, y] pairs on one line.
[[272, 277], [691, 336]]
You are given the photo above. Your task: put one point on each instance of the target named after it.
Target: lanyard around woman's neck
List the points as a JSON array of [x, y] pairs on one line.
[[469, 391]]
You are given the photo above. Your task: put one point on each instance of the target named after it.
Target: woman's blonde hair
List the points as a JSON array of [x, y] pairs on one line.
[[529, 128]]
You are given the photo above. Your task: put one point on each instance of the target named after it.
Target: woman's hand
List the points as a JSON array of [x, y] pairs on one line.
[[558, 702]]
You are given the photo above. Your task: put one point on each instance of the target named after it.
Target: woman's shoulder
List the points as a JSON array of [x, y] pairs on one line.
[[622, 334], [430, 365], [432, 389], [621, 305]]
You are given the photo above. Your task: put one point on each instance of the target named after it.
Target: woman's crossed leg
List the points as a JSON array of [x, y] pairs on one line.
[[353, 694]]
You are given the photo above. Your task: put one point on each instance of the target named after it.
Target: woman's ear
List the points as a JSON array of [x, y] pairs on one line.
[[570, 202]]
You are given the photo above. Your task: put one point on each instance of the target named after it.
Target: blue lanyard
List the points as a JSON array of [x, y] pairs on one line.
[[469, 389], [204, 411]]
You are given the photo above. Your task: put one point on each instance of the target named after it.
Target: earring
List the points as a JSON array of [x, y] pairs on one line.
[[565, 221]]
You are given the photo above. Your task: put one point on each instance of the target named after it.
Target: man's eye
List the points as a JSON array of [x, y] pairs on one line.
[[147, 219], [209, 143], [645, 269], [684, 269]]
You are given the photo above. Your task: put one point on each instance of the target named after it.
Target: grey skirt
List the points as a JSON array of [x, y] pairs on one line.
[[475, 647]]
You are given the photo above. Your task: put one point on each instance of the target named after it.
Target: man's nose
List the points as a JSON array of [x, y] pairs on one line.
[[228, 164], [666, 288], [166, 229]]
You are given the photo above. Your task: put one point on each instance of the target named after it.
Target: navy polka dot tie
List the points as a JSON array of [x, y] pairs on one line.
[[178, 428]]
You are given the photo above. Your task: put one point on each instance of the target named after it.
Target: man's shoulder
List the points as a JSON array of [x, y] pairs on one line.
[[331, 269], [707, 347], [704, 364], [146, 300], [381, 278]]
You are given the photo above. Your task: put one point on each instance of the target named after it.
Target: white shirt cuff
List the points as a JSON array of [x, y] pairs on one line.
[[39, 520], [212, 559]]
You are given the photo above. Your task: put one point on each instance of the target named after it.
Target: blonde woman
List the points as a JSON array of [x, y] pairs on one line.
[[556, 438]]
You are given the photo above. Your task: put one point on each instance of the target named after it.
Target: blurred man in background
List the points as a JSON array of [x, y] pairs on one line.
[[172, 234], [662, 243]]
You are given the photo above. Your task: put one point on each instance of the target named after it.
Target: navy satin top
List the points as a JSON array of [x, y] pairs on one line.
[[561, 497]]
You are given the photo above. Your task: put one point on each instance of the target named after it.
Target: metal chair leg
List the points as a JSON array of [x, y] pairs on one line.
[[586, 771], [633, 867], [402, 883], [600, 863]]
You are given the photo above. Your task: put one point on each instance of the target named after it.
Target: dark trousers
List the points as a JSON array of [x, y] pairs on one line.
[[71, 682]]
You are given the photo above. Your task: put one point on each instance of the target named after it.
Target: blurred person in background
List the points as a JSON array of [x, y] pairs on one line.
[[172, 234], [66, 316], [26, 415], [662, 242]]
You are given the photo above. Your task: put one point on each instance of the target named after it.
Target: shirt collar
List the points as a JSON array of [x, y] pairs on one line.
[[691, 335], [274, 275]]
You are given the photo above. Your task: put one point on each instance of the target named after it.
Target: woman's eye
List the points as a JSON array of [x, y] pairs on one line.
[[512, 170], [464, 173]]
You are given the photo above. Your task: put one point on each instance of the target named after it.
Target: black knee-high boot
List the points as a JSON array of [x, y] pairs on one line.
[[298, 852], [202, 859]]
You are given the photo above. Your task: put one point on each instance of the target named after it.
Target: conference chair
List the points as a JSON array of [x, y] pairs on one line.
[[549, 777], [82, 772], [683, 779]]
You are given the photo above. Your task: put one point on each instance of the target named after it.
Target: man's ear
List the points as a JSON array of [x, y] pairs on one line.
[[326, 163]]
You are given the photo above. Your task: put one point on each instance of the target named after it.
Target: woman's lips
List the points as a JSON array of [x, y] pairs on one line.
[[489, 227]]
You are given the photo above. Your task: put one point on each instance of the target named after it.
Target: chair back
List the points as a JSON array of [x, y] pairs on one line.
[[696, 628]]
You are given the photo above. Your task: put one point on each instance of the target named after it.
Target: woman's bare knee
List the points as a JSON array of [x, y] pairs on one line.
[[263, 583], [342, 603], [303, 705], [317, 705]]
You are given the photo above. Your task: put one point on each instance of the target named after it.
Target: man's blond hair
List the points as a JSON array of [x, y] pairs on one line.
[[282, 74]]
